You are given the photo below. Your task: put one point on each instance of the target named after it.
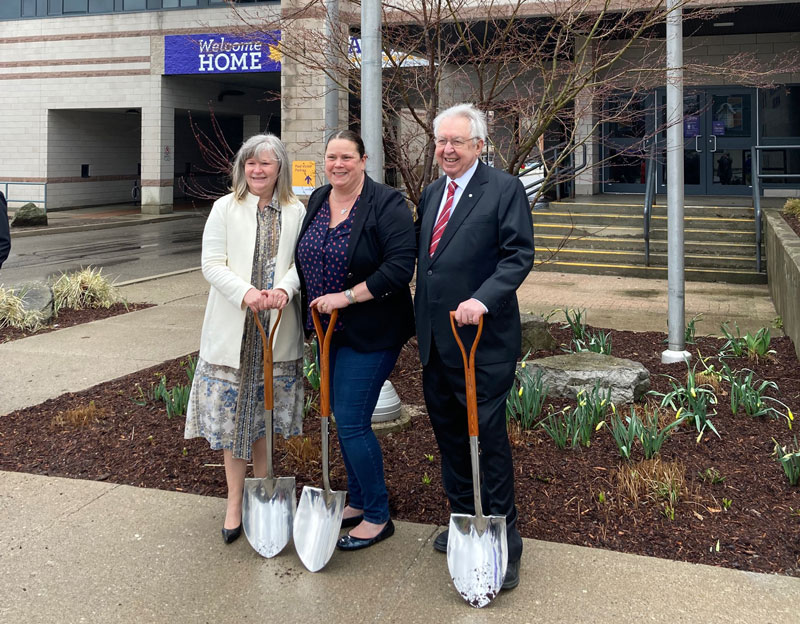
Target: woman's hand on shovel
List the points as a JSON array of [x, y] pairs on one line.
[[330, 302]]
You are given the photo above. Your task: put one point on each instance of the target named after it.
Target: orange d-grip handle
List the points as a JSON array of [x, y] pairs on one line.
[[269, 400], [469, 374], [324, 340]]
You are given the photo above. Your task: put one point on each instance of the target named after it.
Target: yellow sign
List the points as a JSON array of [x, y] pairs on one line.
[[304, 176]]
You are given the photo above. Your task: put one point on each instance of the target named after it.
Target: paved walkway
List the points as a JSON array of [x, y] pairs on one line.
[[82, 551]]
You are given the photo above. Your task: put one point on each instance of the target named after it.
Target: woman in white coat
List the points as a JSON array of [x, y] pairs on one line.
[[248, 259]]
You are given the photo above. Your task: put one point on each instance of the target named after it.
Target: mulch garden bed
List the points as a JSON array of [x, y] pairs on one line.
[[68, 317], [793, 221], [568, 496]]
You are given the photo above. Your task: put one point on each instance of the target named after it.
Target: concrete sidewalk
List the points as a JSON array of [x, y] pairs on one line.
[[80, 551]]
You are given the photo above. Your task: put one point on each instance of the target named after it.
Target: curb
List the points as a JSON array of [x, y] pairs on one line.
[[155, 277], [66, 229]]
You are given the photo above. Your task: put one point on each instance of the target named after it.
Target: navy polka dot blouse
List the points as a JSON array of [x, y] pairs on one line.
[[322, 255]]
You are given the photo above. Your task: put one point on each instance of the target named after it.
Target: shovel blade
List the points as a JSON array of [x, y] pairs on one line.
[[316, 526], [268, 509], [477, 556]]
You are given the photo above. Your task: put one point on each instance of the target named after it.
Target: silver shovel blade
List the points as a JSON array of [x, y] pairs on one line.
[[268, 508], [477, 556], [316, 526]]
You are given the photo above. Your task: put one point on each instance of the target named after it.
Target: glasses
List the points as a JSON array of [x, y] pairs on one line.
[[456, 143]]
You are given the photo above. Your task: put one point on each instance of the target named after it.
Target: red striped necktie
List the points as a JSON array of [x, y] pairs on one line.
[[441, 222]]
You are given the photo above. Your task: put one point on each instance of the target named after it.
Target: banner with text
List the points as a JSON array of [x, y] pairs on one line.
[[222, 54]]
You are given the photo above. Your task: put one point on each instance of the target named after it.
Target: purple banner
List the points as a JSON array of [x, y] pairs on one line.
[[222, 54]]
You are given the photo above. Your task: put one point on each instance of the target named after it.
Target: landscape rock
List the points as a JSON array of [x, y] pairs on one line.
[[565, 375], [29, 214], [535, 334], [37, 296]]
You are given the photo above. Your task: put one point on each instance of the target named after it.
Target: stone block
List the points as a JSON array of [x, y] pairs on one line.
[[535, 334], [37, 297], [28, 215], [565, 375]]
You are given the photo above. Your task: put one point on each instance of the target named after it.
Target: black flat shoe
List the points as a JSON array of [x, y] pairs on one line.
[[229, 536], [511, 579], [348, 542], [440, 543], [351, 522]]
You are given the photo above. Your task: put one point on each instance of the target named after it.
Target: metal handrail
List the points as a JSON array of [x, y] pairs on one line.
[[39, 201], [755, 160], [561, 174], [649, 198]]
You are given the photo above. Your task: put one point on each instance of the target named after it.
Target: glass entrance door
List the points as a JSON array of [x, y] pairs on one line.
[[719, 127]]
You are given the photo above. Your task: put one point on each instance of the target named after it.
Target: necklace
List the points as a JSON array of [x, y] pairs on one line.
[[349, 201]]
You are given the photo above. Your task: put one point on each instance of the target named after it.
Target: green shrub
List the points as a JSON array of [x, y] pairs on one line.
[[526, 398], [789, 460], [792, 207], [13, 312], [86, 288]]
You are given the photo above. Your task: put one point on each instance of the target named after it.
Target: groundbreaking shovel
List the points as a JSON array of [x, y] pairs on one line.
[[477, 548], [268, 504], [319, 514]]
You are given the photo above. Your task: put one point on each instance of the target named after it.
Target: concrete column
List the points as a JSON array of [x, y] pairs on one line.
[[158, 155], [586, 116], [251, 124]]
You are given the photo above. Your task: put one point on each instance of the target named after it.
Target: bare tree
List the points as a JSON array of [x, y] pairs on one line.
[[542, 70]]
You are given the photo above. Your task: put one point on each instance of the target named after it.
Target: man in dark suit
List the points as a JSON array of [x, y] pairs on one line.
[[5, 234], [475, 248]]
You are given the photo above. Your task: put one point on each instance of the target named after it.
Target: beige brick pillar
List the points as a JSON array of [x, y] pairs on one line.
[[303, 92], [586, 116]]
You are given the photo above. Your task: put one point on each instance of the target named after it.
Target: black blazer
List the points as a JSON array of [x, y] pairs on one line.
[[5, 233], [486, 252], [382, 251]]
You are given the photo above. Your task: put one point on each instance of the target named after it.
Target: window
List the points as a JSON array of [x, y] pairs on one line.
[[84, 171], [101, 6], [28, 8], [76, 6], [54, 7], [134, 5], [780, 112]]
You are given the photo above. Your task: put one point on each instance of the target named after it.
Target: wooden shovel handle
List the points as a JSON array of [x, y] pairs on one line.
[[269, 399], [469, 374], [324, 341]]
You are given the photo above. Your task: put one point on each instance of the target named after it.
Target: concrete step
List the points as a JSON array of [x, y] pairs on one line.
[[636, 258], [637, 244], [630, 208], [636, 232], [623, 270], [725, 224]]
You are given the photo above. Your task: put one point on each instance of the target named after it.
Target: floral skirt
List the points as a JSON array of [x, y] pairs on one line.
[[211, 413]]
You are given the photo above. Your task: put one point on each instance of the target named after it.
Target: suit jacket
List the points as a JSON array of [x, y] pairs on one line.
[[5, 233], [485, 253], [381, 251]]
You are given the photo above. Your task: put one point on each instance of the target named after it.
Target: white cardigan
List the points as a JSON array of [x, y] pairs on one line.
[[229, 241]]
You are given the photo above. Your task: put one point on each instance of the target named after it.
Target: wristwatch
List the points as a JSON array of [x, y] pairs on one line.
[[351, 298]]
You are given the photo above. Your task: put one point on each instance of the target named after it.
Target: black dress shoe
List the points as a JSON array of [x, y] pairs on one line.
[[351, 522], [440, 543], [231, 535], [512, 575], [348, 542]]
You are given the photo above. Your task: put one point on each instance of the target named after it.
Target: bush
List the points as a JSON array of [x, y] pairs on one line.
[[13, 313], [86, 288], [792, 207]]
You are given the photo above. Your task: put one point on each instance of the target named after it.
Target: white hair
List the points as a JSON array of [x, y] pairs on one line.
[[476, 118]]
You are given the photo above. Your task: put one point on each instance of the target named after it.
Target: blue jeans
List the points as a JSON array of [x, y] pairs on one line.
[[357, 381]]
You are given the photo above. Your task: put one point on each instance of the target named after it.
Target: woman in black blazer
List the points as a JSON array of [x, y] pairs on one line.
[[356, 253]]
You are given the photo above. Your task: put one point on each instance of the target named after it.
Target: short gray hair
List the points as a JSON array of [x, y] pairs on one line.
[[476, 118], [252, 148]]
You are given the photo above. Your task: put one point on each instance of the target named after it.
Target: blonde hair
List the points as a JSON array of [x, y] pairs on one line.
[[252, 148]]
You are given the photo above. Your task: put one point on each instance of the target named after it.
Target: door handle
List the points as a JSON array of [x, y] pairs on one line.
[[696, 145], [714, 136]]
